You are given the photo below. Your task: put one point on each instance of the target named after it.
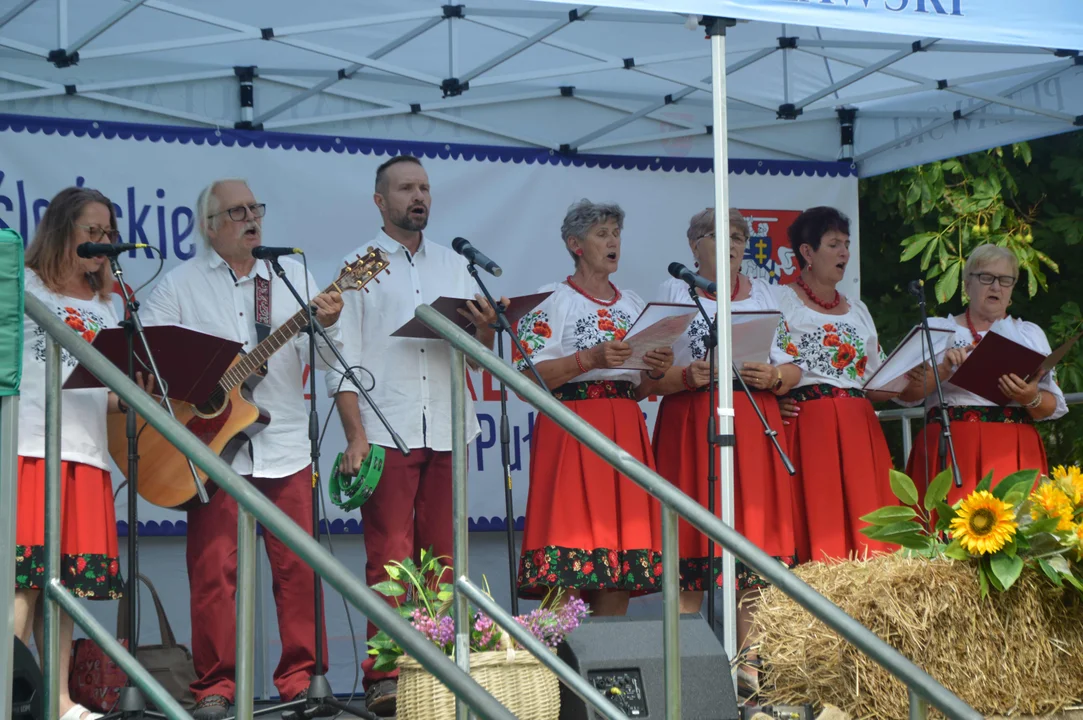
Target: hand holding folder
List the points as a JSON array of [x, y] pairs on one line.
[[996, 357]]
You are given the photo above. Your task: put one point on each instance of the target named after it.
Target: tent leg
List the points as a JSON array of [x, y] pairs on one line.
[[716, 29]]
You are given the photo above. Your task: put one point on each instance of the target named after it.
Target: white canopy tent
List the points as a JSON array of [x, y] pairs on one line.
[[806, 81], [882, 83]]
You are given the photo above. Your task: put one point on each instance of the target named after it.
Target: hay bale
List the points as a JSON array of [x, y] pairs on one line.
[[1019, 652]]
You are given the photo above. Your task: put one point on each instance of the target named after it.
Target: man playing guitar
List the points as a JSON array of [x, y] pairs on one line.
[[224, 291]]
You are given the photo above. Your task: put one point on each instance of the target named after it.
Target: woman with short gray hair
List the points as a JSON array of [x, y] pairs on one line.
[[590, 531], [988, 436]]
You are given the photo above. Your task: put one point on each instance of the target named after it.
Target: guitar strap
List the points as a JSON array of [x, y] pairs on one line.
[[263, 310]]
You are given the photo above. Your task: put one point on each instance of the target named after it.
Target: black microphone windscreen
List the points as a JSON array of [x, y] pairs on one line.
[[458, 243], [675, 269]]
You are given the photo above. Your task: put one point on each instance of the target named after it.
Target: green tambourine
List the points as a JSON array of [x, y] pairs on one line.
[[359, 489]]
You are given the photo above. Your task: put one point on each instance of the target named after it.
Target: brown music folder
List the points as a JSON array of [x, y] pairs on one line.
[[448, 307], [191, 362], [995, 356]]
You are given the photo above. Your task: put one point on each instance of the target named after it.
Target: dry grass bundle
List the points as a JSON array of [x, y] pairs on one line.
[[1019, 652]]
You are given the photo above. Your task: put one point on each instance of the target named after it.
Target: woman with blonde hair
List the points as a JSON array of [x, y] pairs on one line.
[[78, 291], [988, 437]]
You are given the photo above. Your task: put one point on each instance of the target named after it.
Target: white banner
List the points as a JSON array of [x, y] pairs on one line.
[[509, 202], [1037, 23]]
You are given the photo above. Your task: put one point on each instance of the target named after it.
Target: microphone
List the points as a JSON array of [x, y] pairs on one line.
[[264, 252], [93, 250], [697, 281], [916, 288], [468, 251]]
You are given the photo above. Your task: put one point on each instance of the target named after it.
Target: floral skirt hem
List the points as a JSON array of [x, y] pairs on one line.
[[694, 572], [90, 576], [636, 571]]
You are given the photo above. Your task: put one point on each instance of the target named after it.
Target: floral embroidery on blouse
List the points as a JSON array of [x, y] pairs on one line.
[[784, 340], [834, 350], [88, 324], [533, 330], [605, 325]]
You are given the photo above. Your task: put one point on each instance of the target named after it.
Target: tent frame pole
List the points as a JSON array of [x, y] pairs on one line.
[[716, 30]]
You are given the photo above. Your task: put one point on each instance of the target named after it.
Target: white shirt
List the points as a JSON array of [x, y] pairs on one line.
[[838, 350], [204, 295], [412, 376], [1025, 333], [83, 437], [567, 322], [690, 346]]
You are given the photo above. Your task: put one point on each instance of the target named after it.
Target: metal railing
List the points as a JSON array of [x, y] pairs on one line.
[[253, 506], [906, 415], [923, 687]]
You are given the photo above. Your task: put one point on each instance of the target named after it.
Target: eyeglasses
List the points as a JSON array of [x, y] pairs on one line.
[[990, 278], [241, 212], [96, 233], [734, 239]]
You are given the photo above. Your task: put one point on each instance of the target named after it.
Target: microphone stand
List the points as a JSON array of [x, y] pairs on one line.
[[946, 442], [714, 439], [320, 701], [501, 326], [131, 702]]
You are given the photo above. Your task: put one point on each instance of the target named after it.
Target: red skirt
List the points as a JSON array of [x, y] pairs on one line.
[[89, 563], [762, 489], [587, 526], [1000, 440], [843, 465]]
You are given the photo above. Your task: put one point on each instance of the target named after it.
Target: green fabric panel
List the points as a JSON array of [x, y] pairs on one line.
[[11, 312]]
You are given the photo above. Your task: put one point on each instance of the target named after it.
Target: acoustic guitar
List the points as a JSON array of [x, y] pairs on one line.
[[228, 418]]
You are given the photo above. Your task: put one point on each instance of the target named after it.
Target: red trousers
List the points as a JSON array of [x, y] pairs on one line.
[[409, 511], [212, 577]]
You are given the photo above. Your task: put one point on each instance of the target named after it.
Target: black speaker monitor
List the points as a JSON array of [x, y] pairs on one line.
[[27, 685], [623, 659]]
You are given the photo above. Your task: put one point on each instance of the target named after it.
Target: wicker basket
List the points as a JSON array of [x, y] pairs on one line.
[[528, 689]]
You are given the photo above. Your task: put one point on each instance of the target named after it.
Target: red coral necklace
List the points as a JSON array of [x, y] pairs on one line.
[[973, 330], [814, 298], [588, 296]]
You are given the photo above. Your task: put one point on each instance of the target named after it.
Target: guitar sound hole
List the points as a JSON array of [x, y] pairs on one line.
[[214, 404]]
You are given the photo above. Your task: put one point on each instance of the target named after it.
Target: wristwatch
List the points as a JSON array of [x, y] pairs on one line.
[[778, 383]]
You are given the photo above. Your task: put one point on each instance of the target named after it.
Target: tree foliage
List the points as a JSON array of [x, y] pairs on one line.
[[923, 222]]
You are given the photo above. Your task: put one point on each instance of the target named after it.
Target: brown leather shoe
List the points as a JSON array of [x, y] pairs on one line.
[[381, 698]]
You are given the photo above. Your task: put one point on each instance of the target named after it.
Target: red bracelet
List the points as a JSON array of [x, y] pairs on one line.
[[684, 379], [579, 362]]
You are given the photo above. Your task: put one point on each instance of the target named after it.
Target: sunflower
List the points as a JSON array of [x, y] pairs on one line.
[[1050, 501], [1070, 480], [983, 524]]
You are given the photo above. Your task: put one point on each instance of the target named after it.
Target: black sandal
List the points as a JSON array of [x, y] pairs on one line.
[[381, 698]]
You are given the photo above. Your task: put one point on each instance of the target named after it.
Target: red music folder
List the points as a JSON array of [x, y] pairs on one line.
[[448, 307], [995, 356], [191, 362]]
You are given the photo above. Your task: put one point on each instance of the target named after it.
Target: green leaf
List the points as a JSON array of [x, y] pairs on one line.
[[944, 515], [444, 595], [389, 588], [1044, 526], [1006, 569], [915, 244], [394, 572], [899, 533], [904, 488], [1050, 572], [385, 662], [889, 514], [955, 551], [983, 580], [914, 194], [1059, 563], [938, 489], [948, 282], [1073, 581], [1023, 479], [985, 482]]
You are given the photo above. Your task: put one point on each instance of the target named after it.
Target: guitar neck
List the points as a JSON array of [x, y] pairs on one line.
[[259, 356]]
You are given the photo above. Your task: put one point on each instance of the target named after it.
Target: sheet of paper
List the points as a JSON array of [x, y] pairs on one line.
[[660, 325], [907, 355], [753, 335]]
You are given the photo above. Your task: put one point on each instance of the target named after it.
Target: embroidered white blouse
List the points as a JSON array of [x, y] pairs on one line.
[[690, 346], [838, 350], [82, 419], [1025, 333], [567, 322]]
